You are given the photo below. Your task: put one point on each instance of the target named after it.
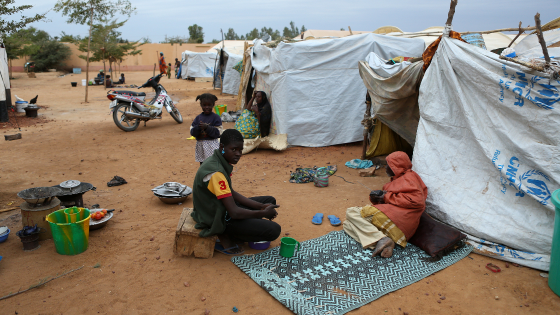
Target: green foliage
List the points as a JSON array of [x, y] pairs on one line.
[[342, 29], [50, 55], [291, 32], [231, 35], [67, 38], [253, 34], [214, 41], [25, 42], [175, 40], [196, 35], [8, 27], [145, 40], [81, 11], [107, 44]]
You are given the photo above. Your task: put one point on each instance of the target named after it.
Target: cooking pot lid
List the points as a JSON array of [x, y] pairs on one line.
[[70, 183]]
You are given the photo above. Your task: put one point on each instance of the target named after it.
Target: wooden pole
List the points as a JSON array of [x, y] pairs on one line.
[[367, 116], [87, 58], [350, 29], [451, 12], [501, 30], [154, 70], [541, 38], [220, 64], [516, 37]]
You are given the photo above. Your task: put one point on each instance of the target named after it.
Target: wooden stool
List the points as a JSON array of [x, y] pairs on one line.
[[188, 242]]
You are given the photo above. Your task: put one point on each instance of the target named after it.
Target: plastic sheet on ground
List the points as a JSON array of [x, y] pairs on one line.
[[487, 148]]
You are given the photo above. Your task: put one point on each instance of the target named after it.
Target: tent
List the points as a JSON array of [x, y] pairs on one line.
[[487, 149], [314, 95], [228, 70], [232, 46], [313, 34], [198, 65], [5, 98]]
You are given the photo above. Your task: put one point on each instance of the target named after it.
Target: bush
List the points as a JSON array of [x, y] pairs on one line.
[[50, 55]]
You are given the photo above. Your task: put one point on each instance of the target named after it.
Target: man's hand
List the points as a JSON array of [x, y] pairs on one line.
[[264, 205], [377, 197], [270, 212]]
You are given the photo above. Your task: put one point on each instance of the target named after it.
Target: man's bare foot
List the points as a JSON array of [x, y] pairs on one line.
[[384, 246]]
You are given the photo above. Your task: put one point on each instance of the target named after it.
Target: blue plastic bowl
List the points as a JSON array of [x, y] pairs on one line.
[[4, 237], [259, 245]]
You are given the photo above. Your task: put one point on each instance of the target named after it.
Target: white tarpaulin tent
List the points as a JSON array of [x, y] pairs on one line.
[[232, 77], [198, 65], [487, 148], [314, 87], [4, 74]]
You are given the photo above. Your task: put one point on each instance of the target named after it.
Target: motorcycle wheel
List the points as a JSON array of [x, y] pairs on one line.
[[123, 122], [176, 115]]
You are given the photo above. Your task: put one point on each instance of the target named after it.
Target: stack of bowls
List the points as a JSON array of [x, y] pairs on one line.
[[172, 192]]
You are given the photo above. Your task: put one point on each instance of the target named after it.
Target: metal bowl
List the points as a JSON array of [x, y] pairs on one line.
[[39, 195], [172, 200], [97, 224]]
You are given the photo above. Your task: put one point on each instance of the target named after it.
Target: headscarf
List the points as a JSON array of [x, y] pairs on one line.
[[399, 162]]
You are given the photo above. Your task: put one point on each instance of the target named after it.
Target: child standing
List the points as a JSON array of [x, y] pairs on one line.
[[169, 72], [206, 127]]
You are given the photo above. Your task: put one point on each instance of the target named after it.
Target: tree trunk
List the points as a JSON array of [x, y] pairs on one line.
[[104, 72], [87, 58]]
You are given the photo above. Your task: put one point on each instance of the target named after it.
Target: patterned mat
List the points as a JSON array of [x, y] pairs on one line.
[[332, 274]]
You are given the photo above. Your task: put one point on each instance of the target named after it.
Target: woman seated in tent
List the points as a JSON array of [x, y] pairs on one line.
[[395, 214]]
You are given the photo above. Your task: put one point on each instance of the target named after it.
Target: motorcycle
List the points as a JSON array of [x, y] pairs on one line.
[[129, 107]]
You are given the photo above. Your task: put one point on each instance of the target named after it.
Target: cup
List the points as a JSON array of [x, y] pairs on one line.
[[288, 247], [73, 214]]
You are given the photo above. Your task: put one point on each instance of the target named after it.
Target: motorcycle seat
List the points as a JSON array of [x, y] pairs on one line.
[[131, 93]]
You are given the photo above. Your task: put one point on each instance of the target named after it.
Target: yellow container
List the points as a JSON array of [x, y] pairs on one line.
[[70, 238], [220, 109]]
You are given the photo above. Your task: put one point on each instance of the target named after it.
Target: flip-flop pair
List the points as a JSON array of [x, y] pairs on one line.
[[227, 251], [318, 219]]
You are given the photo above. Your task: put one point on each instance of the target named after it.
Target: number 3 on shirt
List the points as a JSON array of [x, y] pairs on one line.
[[222, 185]]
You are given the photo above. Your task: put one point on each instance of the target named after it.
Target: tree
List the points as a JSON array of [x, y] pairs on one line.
[[274, 35], [107, 45], [196, 35], [8, 27], [253, 34], [50, 55], [67, 38], [214, 41], [86, 11], [175, 40], [303, 29], [291, 32], [231, 35], [342, 29]]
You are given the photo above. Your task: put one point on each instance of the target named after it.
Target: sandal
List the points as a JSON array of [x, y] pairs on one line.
[[317, 219], [227, 251], [116, 181], [335, 221]]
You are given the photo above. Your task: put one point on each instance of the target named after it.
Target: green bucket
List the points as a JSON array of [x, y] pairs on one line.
[[554, 272], [70, 238], [220, 109]]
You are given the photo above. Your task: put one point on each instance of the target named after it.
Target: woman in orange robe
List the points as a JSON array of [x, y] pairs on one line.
[[162, 65]]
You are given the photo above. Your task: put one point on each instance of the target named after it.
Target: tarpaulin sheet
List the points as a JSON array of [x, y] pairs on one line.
[[314, 86], [232, 77], [198, 65], [487, 148], [394, 99], [4, 74]]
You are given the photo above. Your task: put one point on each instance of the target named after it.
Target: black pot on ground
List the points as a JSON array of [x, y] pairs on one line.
[[74, 84], [31, 111], [30, 241]]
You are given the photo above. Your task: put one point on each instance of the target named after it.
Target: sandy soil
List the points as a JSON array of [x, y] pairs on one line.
[[82, 142]]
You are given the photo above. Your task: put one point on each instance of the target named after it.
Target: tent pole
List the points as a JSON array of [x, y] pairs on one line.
[[367, 117], [541, 39]]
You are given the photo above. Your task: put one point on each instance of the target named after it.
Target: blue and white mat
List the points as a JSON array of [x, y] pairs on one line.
[[332, 274]]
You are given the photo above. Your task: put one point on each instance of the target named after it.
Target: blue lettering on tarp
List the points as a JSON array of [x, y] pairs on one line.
[[528, 87], [532, 182]]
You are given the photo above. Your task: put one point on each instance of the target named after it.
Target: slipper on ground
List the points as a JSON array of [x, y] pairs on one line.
[[227, 251], [317, 219], [335, 221]]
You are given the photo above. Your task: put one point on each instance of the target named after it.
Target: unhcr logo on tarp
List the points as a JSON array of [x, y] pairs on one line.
[[532, 182], [523, 87]]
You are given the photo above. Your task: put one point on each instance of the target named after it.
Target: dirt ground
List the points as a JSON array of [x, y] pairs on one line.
[[78, 140]]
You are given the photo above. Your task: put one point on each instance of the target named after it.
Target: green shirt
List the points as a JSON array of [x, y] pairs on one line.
[[209, 212]]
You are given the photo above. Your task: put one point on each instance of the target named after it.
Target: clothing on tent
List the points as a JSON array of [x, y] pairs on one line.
[[357, 163], [405, 197], [431, 50], [487, 147], [385, 141], [305, 175], [239, 67]]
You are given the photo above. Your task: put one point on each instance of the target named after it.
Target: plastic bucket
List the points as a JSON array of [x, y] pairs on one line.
[[70, 238], [288, 247], [20, 105], [220, 109], [84, 81], [554, 271]]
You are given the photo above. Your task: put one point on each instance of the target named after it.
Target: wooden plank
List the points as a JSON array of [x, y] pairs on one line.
[[187, 242], [9, 209], [186, 212]]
